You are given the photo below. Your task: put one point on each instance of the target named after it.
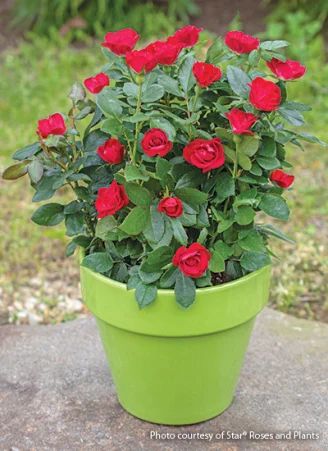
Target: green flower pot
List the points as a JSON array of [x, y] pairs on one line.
[[169, 365]]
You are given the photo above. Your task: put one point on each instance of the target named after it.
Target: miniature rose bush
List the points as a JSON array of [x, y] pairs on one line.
[[178, 158]]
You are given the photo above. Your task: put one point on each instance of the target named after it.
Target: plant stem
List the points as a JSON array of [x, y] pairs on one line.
[[138, 125]]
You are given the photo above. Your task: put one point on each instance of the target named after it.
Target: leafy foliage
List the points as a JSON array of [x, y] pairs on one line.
[[136, 246]]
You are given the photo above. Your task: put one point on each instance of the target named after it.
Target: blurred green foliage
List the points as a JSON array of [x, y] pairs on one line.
[[78, 18]]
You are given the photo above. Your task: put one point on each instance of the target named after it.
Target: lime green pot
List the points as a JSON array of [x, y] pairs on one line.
[[169, 365]]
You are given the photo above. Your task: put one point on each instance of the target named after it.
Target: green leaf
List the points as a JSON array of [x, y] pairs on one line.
[[273, 45], [112, 126], [15, 171], [238, 80], [145, 294], [169, 277], [170, 85], [185, 75], [274, 206], [191, 196], [253, 241], [251, 261], [157, 259], [217, 262], [248, 145], [244, 215], [185, 290], [268, 163], [225, 224], [48, 214], [105, 227], [273, 231], [311, 139], [179, 232], [162, 167], [138, 117], [98, 261], [244, 161], [268, 147], [294, 117], [135, 221], [138, 195], [35, 171], [223, 249], [225, 186], [153, 93], [74, 224], [215, 51], [130, 89], [109, 103], [254, 57], [27, 152], [134, 173], [149, 277]]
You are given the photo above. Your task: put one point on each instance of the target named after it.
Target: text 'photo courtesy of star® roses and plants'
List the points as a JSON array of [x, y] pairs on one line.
[[170, 155]]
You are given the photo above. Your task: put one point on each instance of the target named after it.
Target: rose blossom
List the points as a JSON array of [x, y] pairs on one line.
[[141, 60], [171, 206], [156, 142], [186, 36], [240, 121], [112, 151], [110, 200], [206, 73], [286, 70], [264, 95], [52, 125], [241, 42], [205, 154], [122, 41], [281, 178], [193, 260], [97, 83]]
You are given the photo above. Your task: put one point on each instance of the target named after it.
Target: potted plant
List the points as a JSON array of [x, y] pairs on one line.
[[178, 158]]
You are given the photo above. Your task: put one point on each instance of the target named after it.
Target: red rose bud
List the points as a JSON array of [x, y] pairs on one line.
[[171, 206], [110, 200], [97, 83], [141, 60], [163, 52], [121, 42], [288, 70], [52, 125], [281, 178], [205, 154], [206, 73], [264, 95], [112, 151], [185, 37], [240, 42], [193, 260], [240, 121], [156, 142]]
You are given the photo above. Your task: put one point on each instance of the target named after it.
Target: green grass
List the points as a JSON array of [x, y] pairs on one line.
[[35, 81]]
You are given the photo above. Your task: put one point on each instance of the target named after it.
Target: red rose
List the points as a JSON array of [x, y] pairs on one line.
[[163, 52], [205, 154], [122, 41], [241, 42], [185, 37], [112, 151], [52, 125], [156, 142], [281, 178], [206, 73], [264, 95], [141, 60], [288, 70], [97, 83], [193, 260], [110, 200], [171, 206], [240, 121]]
